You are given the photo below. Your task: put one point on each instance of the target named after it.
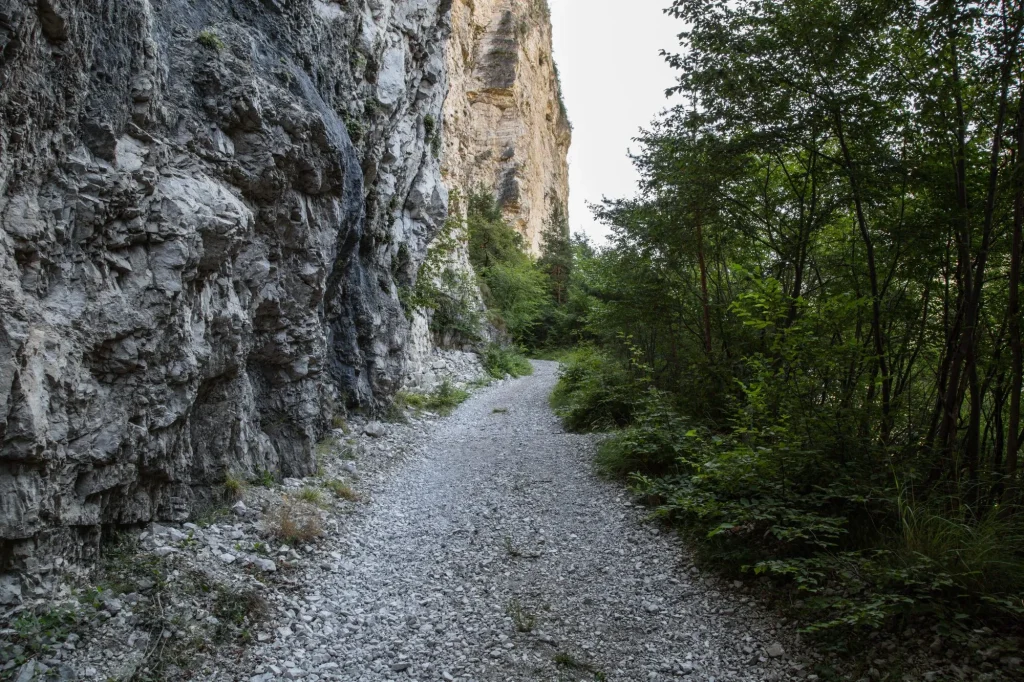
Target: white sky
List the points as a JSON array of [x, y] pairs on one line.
[[613, 82]]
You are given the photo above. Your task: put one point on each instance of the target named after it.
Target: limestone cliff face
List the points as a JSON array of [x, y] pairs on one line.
[[206, 212], [505, 128]]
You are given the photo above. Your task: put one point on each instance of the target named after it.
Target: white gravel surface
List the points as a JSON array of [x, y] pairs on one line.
[[499, 522]]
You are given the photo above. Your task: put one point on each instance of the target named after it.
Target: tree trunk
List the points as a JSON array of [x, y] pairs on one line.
[[704, 285], [876, 303], [1013, 311]]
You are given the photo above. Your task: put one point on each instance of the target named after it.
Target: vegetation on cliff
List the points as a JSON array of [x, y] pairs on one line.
[[807, 326]]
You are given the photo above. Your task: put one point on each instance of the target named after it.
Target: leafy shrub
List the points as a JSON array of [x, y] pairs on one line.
[[501, 361], [656, 443], [515, 289], [516, 293], [594, 392], [207, 38], [842, 536], [442, 288]]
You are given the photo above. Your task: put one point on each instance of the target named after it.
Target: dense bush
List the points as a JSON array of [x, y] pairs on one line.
[[501, 361], [514, 288], [594, 392]]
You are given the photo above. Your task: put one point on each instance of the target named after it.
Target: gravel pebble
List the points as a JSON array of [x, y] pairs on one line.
[[495, 553]]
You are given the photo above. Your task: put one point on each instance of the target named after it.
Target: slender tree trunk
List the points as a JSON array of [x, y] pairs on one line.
[[704, 285], [876, 303], [1013, 312]]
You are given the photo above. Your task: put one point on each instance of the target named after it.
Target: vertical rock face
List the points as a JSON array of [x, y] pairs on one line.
[[206, 210], [506, 129]]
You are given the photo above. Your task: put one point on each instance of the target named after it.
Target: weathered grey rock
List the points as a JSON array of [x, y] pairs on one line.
[[10, 590], [206, 213]]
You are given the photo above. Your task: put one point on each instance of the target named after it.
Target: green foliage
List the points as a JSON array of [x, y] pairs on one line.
[[523, 620], [443, 399], [501, 361], [238, 611], [313, 496], [445, 290], [517, 293], [433, 135], [594, 393], [327, 447], [234, 487], [208, 38], [515, 289], [808, 319], [38, 634], [655, 443], [342, 490]]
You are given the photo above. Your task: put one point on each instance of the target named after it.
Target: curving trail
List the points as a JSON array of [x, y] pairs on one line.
[[501, 522]]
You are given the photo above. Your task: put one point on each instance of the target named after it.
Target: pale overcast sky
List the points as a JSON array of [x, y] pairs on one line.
[[614, 82]]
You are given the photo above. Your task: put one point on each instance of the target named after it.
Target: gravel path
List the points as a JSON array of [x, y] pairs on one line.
[[497, 554]]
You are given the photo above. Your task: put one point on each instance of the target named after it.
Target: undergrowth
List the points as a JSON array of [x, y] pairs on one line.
[[501, 361], [851, 544], [443, 399]]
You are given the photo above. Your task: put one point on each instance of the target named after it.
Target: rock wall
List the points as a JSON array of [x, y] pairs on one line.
[[206, 211], [505, 127]]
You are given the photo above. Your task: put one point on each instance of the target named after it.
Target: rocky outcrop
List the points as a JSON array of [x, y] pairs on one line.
[[505, 127], [206, 212]]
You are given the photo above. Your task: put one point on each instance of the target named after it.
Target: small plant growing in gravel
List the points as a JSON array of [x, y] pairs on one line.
[[565, 660], [311, 495], [511, 548], [39, 634], [443, 399], [265, 479], [211, 515], [521, 618], [234, 487], [339, 422], [295, 522], [236, 609], [343, 490], [207, 38]]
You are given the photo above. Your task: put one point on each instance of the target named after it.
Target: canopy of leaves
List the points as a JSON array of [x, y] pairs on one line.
[[818, 287]]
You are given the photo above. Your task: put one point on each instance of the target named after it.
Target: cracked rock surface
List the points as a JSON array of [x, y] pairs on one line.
[[207, 211], [495, 553]]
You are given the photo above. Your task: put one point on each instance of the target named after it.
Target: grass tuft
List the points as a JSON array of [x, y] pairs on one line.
[[343, 490], [521, 618], [295, 522], [234, 487], [443, 399], [207, 38]]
